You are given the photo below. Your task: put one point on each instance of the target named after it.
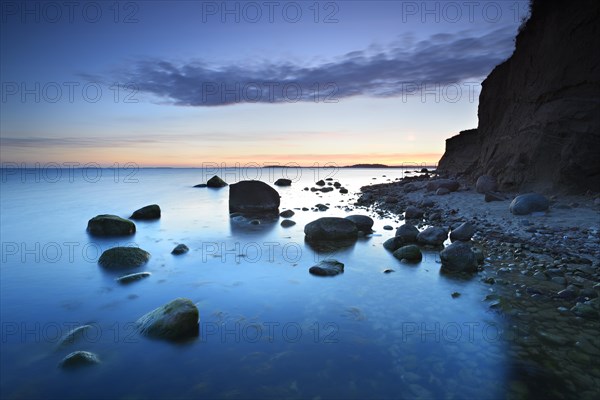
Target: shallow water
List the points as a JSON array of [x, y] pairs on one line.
[[267, 327]]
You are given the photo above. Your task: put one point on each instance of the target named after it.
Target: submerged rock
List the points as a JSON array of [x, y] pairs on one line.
[[253, 197], [331, 228], [201, 185], [123, 257], [73, 336], [327, 268], [175, 320], [433, 236], [126, 279], [216, 182], [528, 203], [110, 225], [147, 213], [410, 252], [283, 182], [458, 257], [180, 249], [79, 359], [363, 223]]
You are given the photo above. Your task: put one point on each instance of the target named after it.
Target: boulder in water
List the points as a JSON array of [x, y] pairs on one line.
[[253, 197], [175, 320], [363, 223], [110, 225], [331, 228], [79, 359], [123, 258], [327, 268], [216, 182], [147, 213]]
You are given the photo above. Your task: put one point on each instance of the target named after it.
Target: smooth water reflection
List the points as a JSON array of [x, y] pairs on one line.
[[268, 328]]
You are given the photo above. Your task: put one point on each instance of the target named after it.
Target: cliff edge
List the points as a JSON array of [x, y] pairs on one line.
[[539, 111]]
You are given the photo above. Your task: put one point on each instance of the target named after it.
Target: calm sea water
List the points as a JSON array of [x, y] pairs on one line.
[[268, 328]]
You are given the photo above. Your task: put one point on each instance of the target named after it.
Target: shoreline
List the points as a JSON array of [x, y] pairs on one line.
[[542, 271]]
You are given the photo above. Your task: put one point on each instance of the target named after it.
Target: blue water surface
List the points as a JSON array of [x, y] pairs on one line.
[[268, 328]]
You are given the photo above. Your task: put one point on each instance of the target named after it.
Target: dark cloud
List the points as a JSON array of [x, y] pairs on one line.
[[442, 59]]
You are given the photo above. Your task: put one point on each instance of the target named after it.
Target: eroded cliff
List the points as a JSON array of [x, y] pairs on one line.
[[539, 111]]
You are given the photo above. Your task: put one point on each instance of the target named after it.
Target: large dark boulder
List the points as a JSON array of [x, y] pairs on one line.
[[110, 225], [175, 320], [528, 203], [486, 184], [363, 222], [433, 236], [410, 253], [459, 257], [147, 213], [251, 197], [393, 244], [123, 258], [407, 233], [331, 228], [463, 233]]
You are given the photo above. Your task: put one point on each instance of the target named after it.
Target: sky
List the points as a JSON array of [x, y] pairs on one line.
[[186, 83]]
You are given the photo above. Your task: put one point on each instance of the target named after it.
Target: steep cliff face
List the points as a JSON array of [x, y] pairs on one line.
[[539, 111]]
